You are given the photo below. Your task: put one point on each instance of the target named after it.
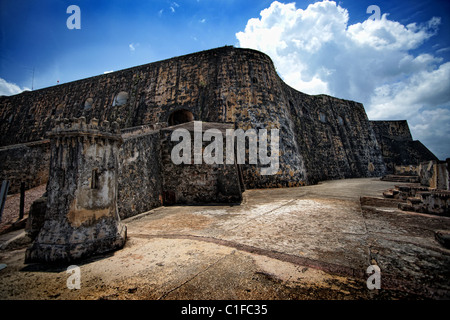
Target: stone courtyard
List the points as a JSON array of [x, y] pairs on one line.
[[313, 242]]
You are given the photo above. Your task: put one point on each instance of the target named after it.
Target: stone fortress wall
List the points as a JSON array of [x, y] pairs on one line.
[[321, 137], [398, 147], [26, 162]]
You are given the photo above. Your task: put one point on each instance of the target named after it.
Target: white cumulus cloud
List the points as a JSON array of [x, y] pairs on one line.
[[316, 50], [9, 89]]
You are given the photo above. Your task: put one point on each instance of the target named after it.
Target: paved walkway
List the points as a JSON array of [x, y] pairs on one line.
[[312, 242]]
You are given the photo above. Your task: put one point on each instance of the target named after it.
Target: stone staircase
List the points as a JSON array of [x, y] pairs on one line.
[[421, 199], [399, 178]]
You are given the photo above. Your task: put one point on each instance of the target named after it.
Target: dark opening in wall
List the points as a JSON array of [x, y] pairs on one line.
[[94, 179], [291, 104], [322, 117], [120, 99], [180, 116], [88, 103]]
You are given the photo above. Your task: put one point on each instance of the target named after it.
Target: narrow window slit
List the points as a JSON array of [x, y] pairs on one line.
[[94, 179]]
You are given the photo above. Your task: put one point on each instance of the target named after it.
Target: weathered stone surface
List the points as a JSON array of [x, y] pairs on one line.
[[321, 137], [334, 137], [198, 183], [397, 145], [27, 163], [400, 178], [421, 199], [443, 237], [81, 217], [140, 177], [435, 174], [314, 242], [36, 217]]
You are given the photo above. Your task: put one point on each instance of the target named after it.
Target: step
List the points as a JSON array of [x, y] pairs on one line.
[[396, 178], [405, 207], [413, 200], [388, 194]]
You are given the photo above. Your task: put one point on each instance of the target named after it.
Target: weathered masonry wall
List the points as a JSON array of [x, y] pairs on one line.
[[395, 130], [137, 96], [221, 85], [27, 163], [148, 178], [140, 179], [435, 174], [334, 137], [81, 217], [406, 170], [197, 183], [397, 145], [321, 137]]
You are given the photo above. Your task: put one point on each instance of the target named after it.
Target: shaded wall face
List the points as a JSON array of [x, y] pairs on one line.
[[397, 146], [190, 183], [27, 163], [252, 98], [435, 174], [139, 179], [320, 138], [334, 137], [398, 130]]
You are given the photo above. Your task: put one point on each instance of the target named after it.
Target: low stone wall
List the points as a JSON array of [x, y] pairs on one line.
[[141, 171], [197, 183], [435, 174], [435, 202], [420, 199], [27, 163], [141, 130], [408, 170], [139, 175]]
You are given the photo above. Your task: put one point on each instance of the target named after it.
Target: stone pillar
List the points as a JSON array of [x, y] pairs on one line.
[[81, 219]]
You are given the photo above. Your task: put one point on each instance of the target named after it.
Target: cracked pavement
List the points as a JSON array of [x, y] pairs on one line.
[[312, 242]]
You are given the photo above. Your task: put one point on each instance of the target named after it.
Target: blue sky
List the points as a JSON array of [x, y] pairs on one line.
[[398, 67]]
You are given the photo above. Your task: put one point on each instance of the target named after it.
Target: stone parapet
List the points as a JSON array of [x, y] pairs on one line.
[[78, 127], [81, 217]]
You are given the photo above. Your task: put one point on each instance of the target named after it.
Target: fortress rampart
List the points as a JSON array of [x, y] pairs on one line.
[[321, 137]]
